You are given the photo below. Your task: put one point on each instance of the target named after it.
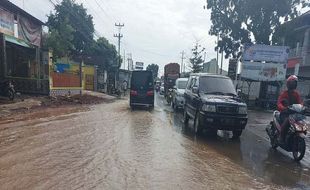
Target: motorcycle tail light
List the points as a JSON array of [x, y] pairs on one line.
[[133, 93], [300, 126], [150, 93]]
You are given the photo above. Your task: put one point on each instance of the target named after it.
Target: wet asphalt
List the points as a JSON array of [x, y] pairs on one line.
[[114, 147]]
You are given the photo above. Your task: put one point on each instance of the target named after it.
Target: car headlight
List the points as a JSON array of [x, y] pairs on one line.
[[208, 108], [243, 110]]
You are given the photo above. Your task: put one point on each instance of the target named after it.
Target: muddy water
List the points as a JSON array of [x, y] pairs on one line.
[[112, 147]]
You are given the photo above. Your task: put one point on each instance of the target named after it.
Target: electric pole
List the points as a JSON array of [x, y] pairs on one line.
[[217, 54], [222, 62], [182, 63], [119, 36]]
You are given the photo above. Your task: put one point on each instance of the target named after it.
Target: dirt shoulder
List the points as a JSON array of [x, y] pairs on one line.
[[29, 107]]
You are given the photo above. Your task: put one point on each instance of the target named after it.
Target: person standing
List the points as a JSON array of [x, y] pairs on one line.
[[124, 87]]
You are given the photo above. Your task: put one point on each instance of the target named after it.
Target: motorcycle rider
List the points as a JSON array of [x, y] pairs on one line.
[[287, 98]]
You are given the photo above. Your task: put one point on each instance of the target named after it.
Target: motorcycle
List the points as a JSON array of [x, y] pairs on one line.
[[157, 88], [295, 138], [7, 89], [169, 96]]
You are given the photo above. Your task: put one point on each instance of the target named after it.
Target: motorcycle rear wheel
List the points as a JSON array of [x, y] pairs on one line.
[[11, 95], [299, 148]]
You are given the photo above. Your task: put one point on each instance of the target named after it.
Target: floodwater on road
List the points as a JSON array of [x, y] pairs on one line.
[[113, 147]]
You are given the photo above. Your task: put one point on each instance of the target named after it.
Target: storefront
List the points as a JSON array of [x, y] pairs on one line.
[[22, 59]]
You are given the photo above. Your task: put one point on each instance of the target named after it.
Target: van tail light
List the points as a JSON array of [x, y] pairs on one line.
[[133, 93], [150, 93]]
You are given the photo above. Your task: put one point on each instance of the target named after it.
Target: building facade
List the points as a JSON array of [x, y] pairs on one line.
[[22, 59]]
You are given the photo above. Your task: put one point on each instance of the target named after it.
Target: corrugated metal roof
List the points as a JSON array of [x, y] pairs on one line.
[[13, 8]]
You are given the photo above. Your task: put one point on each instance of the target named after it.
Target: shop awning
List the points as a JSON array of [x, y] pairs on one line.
[[16, 41]]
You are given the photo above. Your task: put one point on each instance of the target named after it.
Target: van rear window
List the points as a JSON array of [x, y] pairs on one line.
[[141, 79]]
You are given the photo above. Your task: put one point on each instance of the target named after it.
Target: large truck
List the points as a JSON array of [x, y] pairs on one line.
[[171, 74]]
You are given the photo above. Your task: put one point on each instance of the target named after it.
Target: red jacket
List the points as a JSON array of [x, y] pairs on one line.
[[284, 96]]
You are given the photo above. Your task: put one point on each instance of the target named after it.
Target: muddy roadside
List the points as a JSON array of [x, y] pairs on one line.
[[34, 107]]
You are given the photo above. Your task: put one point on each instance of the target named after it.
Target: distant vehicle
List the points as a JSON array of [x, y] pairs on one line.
[[142, 89], [178, 93], [295, 138], [212, 101], [171, 74], [162, 89], [157, 86]]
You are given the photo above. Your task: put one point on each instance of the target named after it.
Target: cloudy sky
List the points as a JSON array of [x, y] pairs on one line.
[[156, 31]]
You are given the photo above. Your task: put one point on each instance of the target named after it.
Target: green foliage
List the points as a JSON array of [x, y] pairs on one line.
[[237, 21], [71, 33], [154, 68], [196, 59], [70, 23], [61, 40], [106, 52]]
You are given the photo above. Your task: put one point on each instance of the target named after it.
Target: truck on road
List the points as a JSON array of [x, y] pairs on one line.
[[171, 74]]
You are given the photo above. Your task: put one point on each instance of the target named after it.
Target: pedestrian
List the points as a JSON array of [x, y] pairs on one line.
[[125, 86]]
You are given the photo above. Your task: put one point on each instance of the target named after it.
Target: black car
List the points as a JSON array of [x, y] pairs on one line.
[[212, 101], [142, 89]]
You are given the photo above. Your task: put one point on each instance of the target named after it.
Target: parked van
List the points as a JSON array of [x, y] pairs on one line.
[[142, 89]]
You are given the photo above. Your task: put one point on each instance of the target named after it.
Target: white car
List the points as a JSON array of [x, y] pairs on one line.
[[178, 93]]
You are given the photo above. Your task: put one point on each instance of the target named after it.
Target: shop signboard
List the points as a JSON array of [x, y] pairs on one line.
[[260, 71], [258, 52], [6, 22], [139, 66]]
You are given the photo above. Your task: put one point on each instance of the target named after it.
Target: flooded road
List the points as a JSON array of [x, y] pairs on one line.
[[112, 147]]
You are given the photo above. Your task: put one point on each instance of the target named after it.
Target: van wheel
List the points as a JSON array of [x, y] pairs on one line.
[[236, 134], [132, 107]]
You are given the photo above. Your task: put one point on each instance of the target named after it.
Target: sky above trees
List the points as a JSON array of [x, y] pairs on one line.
[[155, 31]]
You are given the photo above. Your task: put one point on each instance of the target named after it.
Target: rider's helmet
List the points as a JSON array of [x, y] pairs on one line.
[[291, 82]]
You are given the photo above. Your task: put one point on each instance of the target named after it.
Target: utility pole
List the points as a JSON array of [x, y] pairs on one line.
[[119, 36], [222, 62], [129, 59], [124, 59], [182, 63], [217, 54]]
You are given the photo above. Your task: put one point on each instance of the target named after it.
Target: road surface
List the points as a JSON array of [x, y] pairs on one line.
[[113, 147]]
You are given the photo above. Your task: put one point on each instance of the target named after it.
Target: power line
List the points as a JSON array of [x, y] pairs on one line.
[[146, 51], [99, 16], [103, 10]]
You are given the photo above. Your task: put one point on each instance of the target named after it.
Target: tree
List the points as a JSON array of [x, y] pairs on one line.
[[71, 29], [249, 21], [106, 52], [154, 68], [61, 42], [196, 59]]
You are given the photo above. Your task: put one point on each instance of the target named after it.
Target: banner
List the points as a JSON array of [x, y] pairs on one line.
[[29, 31], [278, 54], [263, 71], [6, 22]]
